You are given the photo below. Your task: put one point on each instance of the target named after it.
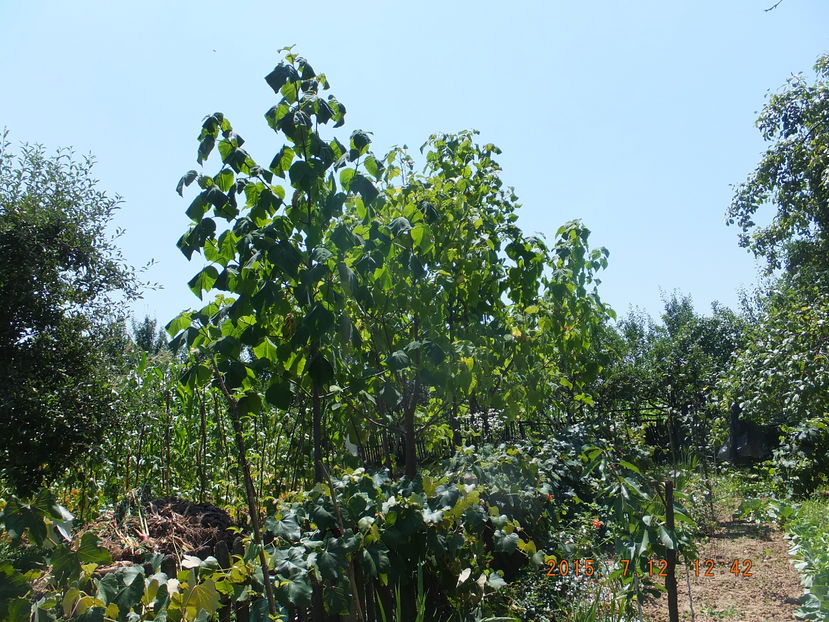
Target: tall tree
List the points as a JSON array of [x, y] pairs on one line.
[[60, 274], [781, 375], [793, 176]]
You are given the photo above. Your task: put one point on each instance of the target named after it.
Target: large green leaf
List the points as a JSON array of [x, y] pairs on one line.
[[375, 559], [179, 323], [320, 369], [286, 257], [295, 592], [130, 595], [282, 161], [224, 179], [281, 74], [331, 560], [302, 175], [12, 585], [364, 187], [90, 550], [65, 564], [374, 167], [250, 404], [360, 140], [400, 225], [279, 394], [285, 527], [398, 360], [505, 543], [19, 518], [201, 597], [188, 178], [267, 350], [195, 238]]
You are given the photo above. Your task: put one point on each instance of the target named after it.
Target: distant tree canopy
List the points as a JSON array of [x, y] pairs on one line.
[[59, 273], [673, 366], [148, 336]]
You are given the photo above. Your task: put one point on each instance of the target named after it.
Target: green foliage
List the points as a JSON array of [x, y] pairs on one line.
[[637, 516], [460, 538], [447, 543], [350, 301], [391, 299], [669, 371], [57, 578], [781, 374], [793, 175], [802, 461], [766, 509], [59, 275], [810, 548], [599, 607]]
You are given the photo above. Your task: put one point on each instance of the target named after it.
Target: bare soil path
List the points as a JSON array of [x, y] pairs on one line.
[[769, 594]]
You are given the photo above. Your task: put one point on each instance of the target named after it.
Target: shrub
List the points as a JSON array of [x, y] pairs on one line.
[[802, 460]]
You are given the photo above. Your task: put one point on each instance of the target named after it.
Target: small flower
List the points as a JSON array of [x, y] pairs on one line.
[[549, 497], [597, 524]]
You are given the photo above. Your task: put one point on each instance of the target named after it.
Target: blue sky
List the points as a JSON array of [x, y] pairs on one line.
[[635, 116]]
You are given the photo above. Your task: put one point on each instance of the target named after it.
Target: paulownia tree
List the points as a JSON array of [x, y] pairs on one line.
[[278, 321], [431, 283], [374, 294]]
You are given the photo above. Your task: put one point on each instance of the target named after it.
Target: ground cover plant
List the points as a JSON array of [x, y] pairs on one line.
[[810, 543]]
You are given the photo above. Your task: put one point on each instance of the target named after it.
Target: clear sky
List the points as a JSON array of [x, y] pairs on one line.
[[635, 116]]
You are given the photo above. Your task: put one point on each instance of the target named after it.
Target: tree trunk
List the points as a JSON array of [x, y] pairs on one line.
[[453, 423], [733, 432], [409, 443], [250, 493], [317, 432], [202, 454], [167, 431]]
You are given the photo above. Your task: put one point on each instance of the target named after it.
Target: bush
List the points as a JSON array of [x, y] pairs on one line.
[[453, 539], [469, 529], [802, 460]]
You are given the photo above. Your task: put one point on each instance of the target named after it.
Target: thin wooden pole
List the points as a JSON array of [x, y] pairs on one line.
[[250, 493]]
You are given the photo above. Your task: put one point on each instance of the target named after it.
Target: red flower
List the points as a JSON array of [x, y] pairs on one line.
[[549, 497], [597, 524]]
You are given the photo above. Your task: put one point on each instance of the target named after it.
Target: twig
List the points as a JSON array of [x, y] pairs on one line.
[[690, 596], [774, 6], [250, 494]]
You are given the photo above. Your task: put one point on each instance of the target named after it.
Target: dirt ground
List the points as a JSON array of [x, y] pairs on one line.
[[770, 594]]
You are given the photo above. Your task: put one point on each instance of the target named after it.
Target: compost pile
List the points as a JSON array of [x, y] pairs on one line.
[[169, 526]]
